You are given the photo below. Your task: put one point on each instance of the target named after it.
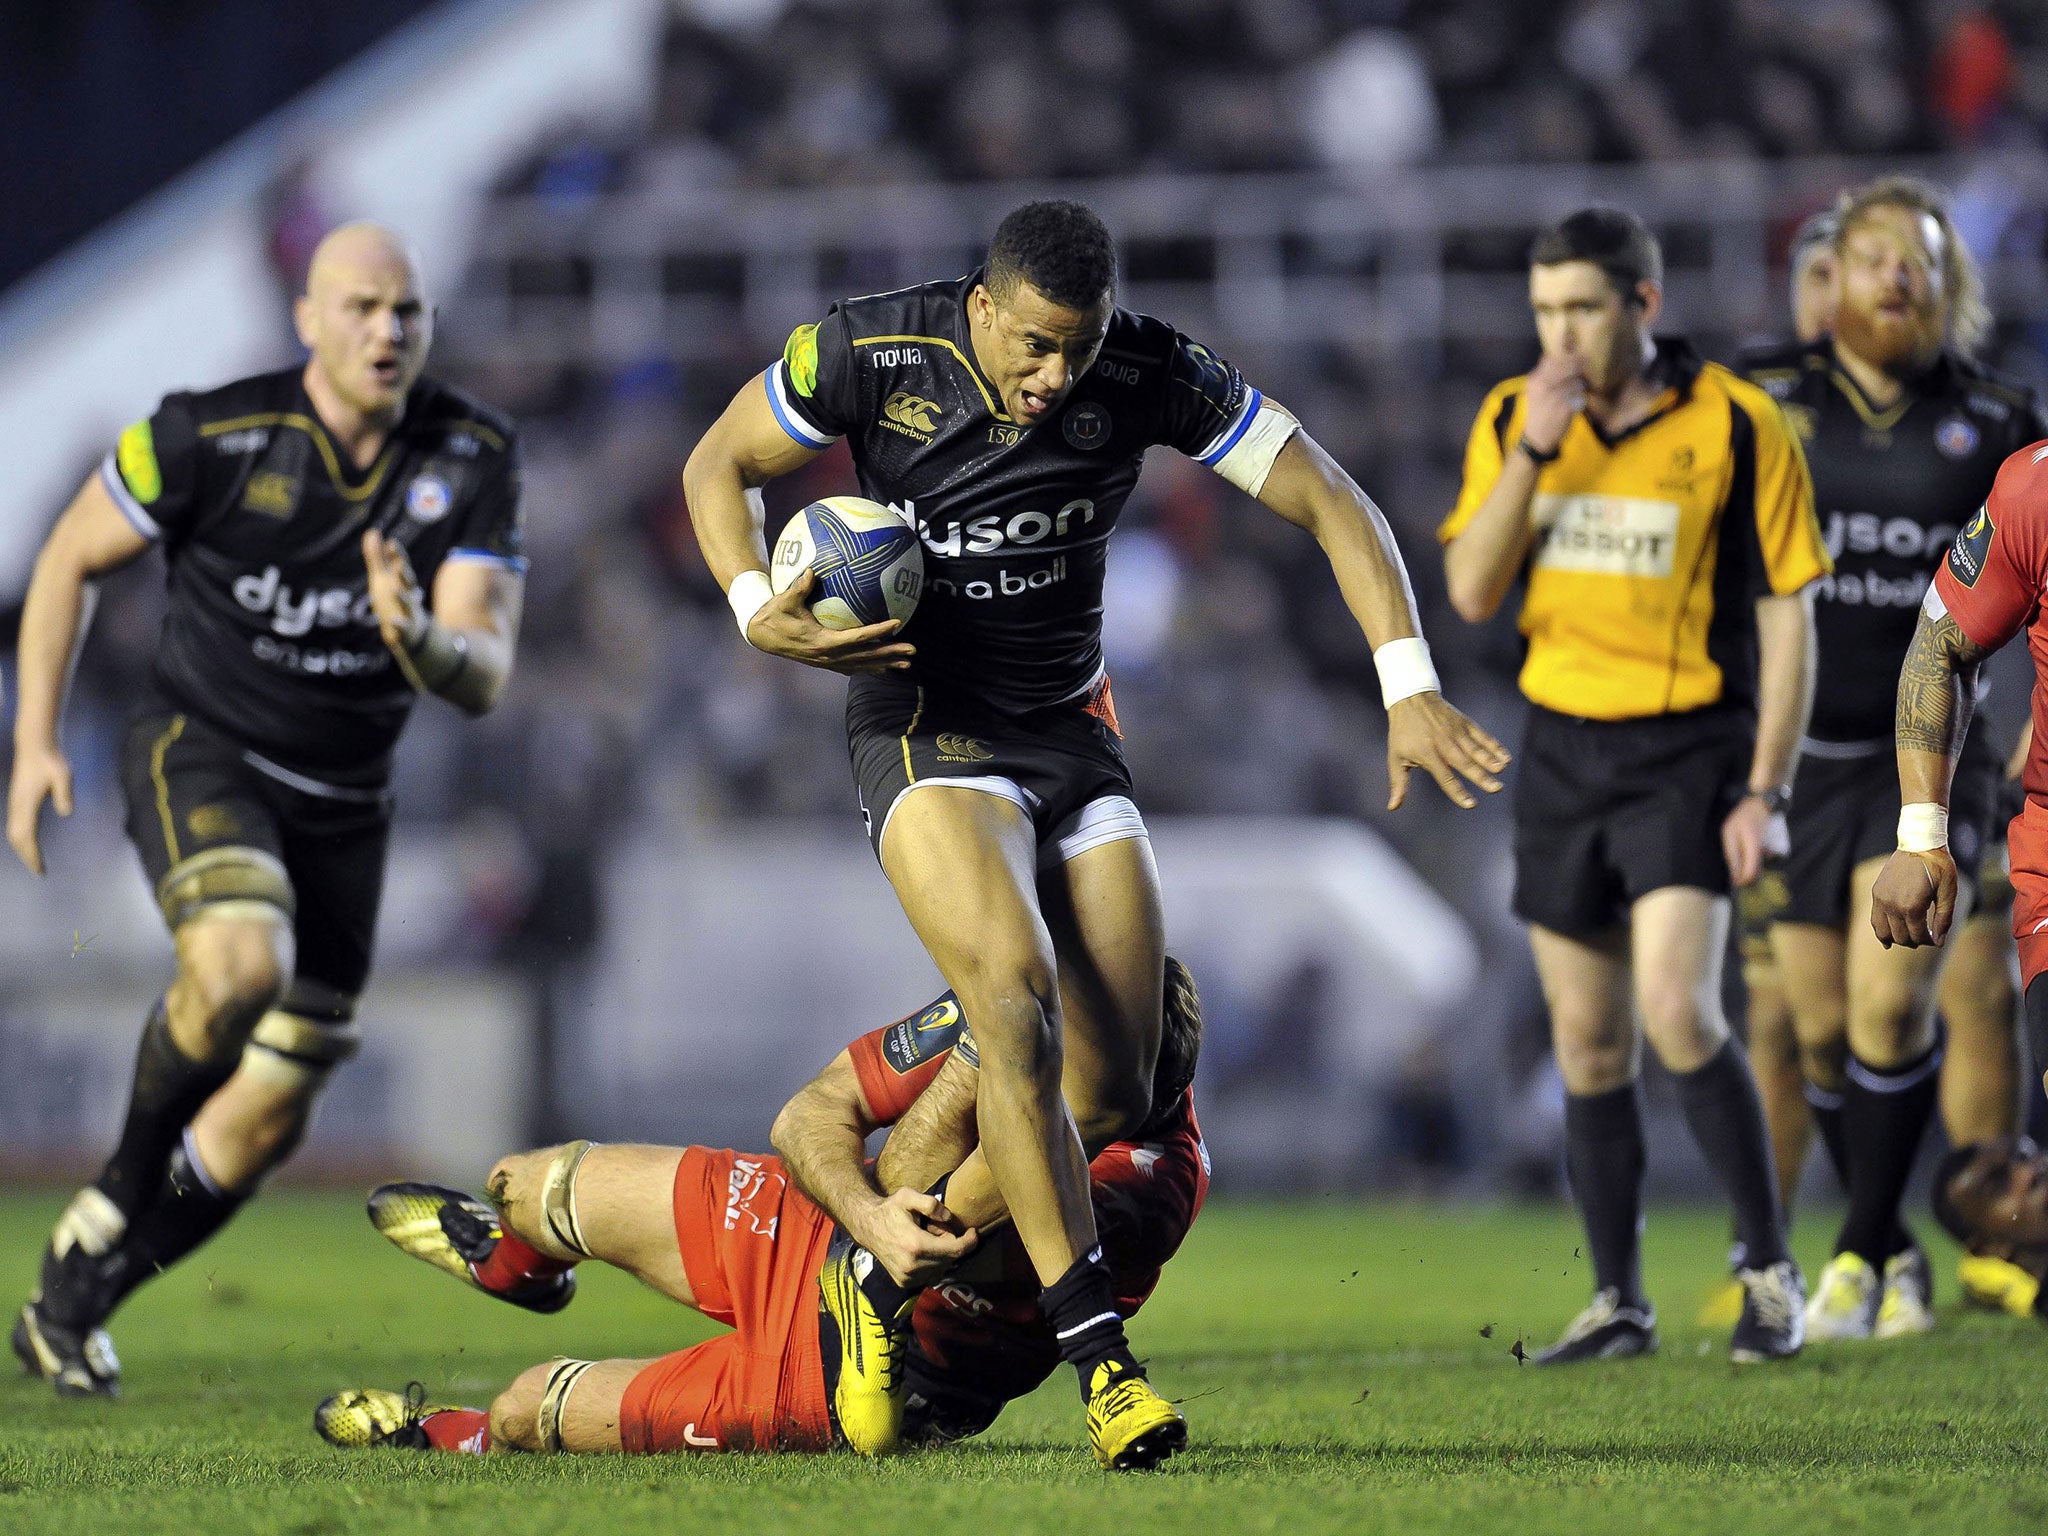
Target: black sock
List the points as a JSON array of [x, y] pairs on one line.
[[1884, 1115], [1081, 1306], [880, 1287], [168, 1090], [1603, 1160], [1826, 1105], [189, 1209], [2036, 1012], [1727, 1120]]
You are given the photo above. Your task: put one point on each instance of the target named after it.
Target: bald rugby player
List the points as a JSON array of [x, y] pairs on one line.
[[337, 540]]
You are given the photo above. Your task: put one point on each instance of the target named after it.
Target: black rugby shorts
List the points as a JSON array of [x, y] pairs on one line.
[[214, 829], [1845, 810], [1607, 811], [1063, 765]]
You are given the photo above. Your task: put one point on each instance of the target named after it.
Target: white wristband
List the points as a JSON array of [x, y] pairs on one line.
[[749, 590], [1923, 827], [1405, 670]]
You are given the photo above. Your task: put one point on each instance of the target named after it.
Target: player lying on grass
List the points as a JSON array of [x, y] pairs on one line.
[[1993, 1199], [730, 1235]]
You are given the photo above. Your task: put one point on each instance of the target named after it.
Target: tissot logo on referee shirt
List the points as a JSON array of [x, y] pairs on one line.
[[1608, 535]]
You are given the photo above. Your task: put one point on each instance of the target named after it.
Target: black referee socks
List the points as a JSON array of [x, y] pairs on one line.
[[1727, 1120], [169, 1088], [1603, 1160], [1884, 1115]]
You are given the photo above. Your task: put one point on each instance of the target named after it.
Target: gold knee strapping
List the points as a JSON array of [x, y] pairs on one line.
[[291, 1048], [558, 1197], [554, 1397], [225, 878]]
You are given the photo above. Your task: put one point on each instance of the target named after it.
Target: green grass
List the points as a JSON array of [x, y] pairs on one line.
[[1334, 1352]]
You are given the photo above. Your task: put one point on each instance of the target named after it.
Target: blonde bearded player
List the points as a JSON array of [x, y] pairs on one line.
[[1006, 414], [337, 540]]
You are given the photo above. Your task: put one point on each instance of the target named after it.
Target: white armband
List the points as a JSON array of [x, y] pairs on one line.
[[748, 592], [1244, 451], [1405, 670], [1923, 827]]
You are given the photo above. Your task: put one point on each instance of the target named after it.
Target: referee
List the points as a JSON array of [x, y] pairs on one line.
[[1660, 510], [1905, 434]]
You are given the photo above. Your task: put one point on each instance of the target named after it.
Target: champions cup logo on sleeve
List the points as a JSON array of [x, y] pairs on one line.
[[1966, 555], [427, 499], [1608, 535]]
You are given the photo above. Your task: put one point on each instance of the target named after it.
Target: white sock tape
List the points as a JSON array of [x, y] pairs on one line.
[[749, 590], [1405, 670], [1923, 827]]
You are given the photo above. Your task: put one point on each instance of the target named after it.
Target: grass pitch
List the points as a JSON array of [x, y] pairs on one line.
[[1349, 1367]]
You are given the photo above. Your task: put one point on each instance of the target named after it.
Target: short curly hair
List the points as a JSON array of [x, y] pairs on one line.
[[1180, 1048], [1060, 248]]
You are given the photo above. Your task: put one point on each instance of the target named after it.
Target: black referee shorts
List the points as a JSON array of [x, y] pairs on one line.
[[1062, 765], [1607, 811], [215, 830], [1845, 810]]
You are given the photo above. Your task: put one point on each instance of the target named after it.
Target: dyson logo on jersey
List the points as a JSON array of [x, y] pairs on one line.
[[295, 613], [985, 535], [1865, 533]]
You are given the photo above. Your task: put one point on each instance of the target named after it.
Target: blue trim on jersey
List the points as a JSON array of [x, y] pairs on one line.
[[1215, 455], [514, 563], [806, 434], [125, 502]]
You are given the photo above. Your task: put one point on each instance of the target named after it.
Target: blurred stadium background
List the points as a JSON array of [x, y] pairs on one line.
[[636, 901]]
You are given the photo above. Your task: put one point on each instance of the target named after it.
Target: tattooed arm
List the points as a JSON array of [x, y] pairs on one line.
[[1914, 899]]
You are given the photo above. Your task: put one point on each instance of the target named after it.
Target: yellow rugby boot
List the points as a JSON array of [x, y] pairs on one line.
[[1130, 1426], [457, 1233], [1990, 1282], [867, 1398], [365, 1417]]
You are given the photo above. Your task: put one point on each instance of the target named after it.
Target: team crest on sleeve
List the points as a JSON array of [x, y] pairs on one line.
[[1087, 425], [1956, 438], [1966, 556], [427, 499]]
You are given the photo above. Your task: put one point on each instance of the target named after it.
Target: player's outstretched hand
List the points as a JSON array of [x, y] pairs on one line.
[[785, 626], [395, 595], [39, 775], [1751, 836], [913, 1237], [1914, 900], [1423, 731]]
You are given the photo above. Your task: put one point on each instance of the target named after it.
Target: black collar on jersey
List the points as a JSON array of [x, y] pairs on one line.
[[1674, 367], [1937, 378]]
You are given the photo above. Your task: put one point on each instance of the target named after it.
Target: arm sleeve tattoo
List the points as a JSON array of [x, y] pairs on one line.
[[1938, 687]]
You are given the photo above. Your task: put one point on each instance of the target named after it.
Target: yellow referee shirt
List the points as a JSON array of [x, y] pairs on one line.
[[1653, 546]]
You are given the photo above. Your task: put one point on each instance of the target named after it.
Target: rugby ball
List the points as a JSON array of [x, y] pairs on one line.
[[869, 564]]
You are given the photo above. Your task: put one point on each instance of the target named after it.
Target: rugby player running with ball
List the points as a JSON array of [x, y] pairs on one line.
[[1006, 415], [338, 539]]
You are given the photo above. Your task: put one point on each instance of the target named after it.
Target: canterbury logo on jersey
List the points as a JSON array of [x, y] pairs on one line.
[[295, 613], [912, 414], [1608, 535]]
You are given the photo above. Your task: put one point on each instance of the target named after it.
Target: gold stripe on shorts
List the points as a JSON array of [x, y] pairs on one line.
[[916, 715], [163, 787]]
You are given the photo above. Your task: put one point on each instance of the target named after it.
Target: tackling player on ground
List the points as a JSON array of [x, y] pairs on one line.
[[729, 1235], [1006, 414], [1660, 511], [337, 539], [1904, 432]]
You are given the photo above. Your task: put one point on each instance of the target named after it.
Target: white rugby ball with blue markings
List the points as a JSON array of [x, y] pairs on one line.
[[869, 564]]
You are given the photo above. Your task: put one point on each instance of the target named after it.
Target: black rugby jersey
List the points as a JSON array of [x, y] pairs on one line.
[[269, 635], [1015, 520], [1892, 487]]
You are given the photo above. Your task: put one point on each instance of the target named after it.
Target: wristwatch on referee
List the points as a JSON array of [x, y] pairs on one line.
[[1777, 799], [1536, 455]]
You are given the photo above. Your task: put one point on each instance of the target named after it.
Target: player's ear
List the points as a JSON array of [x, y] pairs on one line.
[[304, 320]]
